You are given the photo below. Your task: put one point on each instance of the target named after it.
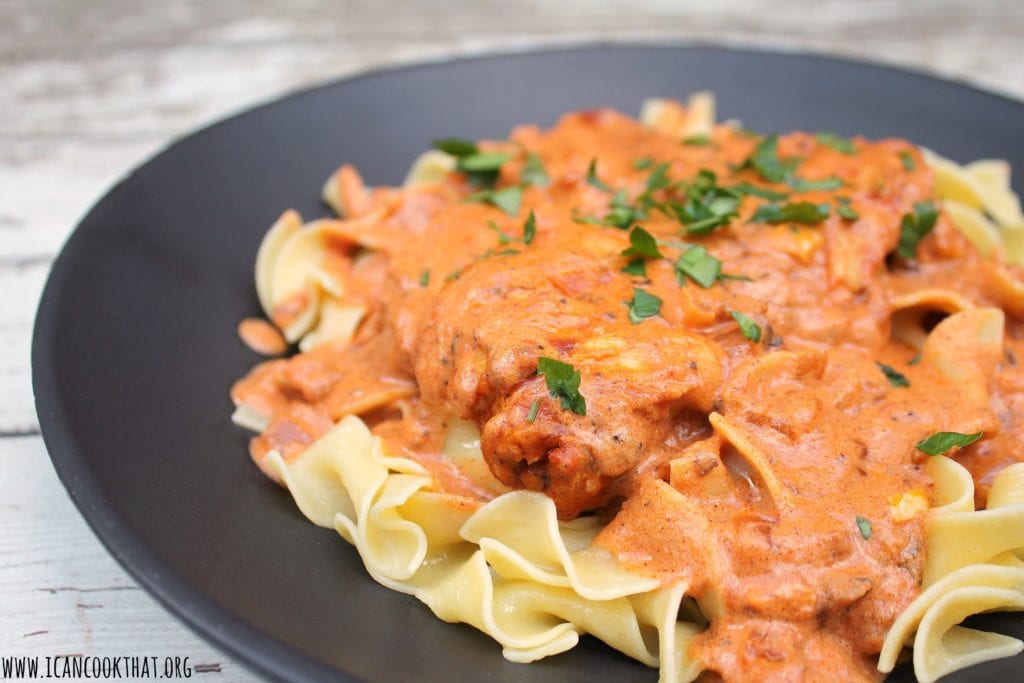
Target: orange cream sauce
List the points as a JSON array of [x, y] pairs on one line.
[[767, 475]]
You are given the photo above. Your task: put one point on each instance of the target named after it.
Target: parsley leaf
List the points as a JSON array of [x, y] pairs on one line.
[[534, 408], [563, 381], [793, 212], [642, 243], [643, 305], [748, 327], [529, 228], [623, 214], [908, 160], [643, 163], [864, 524], [502, 237], [507, 199], [534, 173], [708, 205], [456, 147], [840, 144], [915, 360], [425, 278], [940, 442], [845, 210], [482, 161], [897, 379], [658, 178], [636, 267], [698, 140], [765, 160], [915, 227], [763, 192], [592, 178], [801, 185], [700, 266]]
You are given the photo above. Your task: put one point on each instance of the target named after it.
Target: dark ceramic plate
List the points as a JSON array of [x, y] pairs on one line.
[[135, 346]]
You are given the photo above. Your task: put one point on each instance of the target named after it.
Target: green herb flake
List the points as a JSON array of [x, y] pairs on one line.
[[593, 180], [765, 160], [425, 278], [864, 524], [658, 178], [915, 360], [530, 228], [482, 161], [534, 172], [802, 185], [908, 161], [844, 209], [700, 266], [748, 327], [456, 147], [643, 305], [836, 142], [698, 140], [940, 442], [534, 408], [502, 237], [708, 205], [895, 378], [623, 214], [793, 212], [762, 192], [563, 382], [915, 227], [507, 199], [643, 163], [642, 243], [637, 266]]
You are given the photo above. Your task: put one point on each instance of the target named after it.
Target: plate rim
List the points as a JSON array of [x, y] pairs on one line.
[[247, 644]]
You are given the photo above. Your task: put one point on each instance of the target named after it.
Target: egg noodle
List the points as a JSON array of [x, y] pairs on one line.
[[511, 554]]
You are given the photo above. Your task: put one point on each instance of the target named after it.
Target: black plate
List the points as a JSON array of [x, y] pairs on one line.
[[135, 346]]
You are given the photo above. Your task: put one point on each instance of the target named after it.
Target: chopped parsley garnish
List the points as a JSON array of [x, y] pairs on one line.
[[802, 185], [748, 327], [456, 147], [908, 160], [425, 278], [641, 243], [593, 180], [533, 171], [844, 209], [622, 213], [698, 265], [658, 178], [698, 140], [793, 212], [895, 378], [563, 381], [763, 192], [708, 205], [480, 167], [643, 163], [503, 238], [915, 227], [529, 228], [636, 267], [840, 144], [534, 407], [765, 160], [940, 442], [915, 360], [864, 524], [643, 305], [507, 199]]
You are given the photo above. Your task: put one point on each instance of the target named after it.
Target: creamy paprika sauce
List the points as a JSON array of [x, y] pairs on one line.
[[693, 339]]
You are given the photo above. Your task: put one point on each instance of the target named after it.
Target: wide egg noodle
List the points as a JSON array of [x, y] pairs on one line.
[[972, 567], [545, 586]]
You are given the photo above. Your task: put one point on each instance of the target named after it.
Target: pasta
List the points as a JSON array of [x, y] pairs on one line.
[[484, 413]]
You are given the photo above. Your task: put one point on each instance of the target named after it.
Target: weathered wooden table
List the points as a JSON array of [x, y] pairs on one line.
[[90, 88]]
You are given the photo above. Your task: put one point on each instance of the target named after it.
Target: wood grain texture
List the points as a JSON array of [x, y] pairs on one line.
[[92, 88]]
